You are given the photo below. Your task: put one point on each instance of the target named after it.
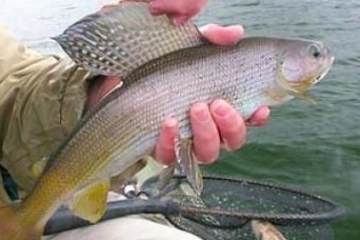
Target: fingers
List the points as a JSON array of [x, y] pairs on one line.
[[178, 10], [230, 124], [259, 118], [165, 147], [210, 125], [108, 7], [206, 139], [222, 35]]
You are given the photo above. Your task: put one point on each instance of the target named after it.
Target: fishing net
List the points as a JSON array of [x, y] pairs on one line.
[[227, 206], [225, 209]]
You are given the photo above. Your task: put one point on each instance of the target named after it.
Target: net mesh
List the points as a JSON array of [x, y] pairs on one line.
[[299, 232], [227, 206], [226, 210]]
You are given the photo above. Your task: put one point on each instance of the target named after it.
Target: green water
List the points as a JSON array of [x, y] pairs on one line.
[[315, 147]]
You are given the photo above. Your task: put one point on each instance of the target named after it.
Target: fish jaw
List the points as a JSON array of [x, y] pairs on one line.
[[301, 65]]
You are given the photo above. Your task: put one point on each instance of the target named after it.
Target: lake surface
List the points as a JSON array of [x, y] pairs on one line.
[[315, 147]]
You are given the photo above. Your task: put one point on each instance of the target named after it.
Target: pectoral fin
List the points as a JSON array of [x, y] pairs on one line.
[[90, 204], [188, 163], [165, 176], [304, 97]]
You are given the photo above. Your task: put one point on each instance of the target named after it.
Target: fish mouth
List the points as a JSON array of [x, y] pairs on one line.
[[326, 71], [299, 90]]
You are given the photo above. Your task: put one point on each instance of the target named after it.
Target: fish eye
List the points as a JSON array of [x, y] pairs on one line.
[[314, 50]]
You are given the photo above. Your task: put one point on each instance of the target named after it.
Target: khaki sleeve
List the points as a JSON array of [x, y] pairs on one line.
[[41, 99]]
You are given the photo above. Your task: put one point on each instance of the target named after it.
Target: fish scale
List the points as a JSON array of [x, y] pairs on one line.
[[145, 109], [173, 70], [131, 36]]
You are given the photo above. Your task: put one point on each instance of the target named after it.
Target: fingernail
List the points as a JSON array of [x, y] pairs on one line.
[[201, 112], [170, 124], [205, 28], [221, 108], [266, 113], [237, 28]]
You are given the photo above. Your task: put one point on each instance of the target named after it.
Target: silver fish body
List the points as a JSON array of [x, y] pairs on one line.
[[125, 125], [166, 69], [245, 75]]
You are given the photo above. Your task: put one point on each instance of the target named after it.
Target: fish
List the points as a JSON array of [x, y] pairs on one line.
[[165, 69], [264, 230]]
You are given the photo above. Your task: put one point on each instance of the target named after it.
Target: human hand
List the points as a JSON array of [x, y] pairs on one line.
[[214, 125], [179, 11]]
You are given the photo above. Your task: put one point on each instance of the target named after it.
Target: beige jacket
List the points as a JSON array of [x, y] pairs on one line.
[[41, 99]]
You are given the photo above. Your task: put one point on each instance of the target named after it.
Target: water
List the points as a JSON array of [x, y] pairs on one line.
[[315, 147]]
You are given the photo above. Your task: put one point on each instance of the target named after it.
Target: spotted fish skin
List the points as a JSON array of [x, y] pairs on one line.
[[118, 41], [125, 125]]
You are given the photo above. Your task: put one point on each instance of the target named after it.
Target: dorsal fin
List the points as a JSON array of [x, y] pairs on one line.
[[117, 41]]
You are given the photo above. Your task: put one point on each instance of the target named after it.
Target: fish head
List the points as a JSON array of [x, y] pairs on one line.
[[302, 64]]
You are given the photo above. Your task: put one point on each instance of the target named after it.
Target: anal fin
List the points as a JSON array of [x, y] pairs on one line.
[[90, 203]]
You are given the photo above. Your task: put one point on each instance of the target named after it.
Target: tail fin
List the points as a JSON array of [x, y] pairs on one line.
[[12, 228]]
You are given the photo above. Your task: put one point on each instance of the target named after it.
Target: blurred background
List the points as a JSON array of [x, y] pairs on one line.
[[314, 147]]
